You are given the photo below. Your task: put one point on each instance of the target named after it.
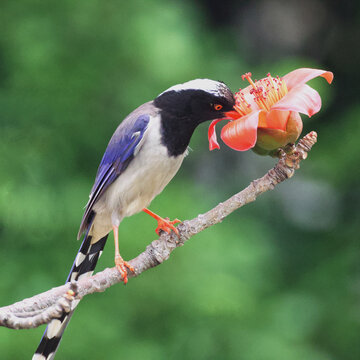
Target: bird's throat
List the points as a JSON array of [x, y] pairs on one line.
[[176, 133]]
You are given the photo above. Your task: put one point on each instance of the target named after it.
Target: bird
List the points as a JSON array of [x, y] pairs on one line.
[[143, 155]]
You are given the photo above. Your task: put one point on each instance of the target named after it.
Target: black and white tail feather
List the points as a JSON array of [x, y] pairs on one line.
[[84, 266]]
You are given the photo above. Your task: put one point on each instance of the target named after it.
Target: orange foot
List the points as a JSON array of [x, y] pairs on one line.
[[163, 224], [167, 225], [121, 265]]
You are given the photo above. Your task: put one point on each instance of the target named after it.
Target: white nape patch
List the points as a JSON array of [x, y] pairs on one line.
[[38, 357], [210, 86], [54, 328], [87, 274], [79, 258]]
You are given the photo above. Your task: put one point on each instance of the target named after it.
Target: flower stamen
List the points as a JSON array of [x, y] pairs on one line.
[[241, 105], [267, 91]]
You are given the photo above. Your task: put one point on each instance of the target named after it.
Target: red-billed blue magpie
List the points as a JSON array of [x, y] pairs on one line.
[[141, 158]]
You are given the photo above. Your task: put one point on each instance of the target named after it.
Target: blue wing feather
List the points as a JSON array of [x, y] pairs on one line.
[[118, 154]]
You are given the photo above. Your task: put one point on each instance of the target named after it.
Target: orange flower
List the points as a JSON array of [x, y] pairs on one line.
[[267, 111]]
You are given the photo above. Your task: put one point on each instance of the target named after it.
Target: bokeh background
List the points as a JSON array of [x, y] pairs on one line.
[[277, 280]]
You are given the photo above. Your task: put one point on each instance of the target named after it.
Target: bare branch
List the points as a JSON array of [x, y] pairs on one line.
[[40, 309]]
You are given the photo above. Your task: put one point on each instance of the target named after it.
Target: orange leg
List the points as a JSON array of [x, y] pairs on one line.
[[120, 264], [164, 224]]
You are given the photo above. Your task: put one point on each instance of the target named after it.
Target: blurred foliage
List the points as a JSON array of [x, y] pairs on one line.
[[277, 280]]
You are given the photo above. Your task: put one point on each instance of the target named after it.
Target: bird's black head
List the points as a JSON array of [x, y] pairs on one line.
[[183, 107], [200, 100]]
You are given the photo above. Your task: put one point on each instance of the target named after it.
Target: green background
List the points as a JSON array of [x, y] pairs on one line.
[[277, 280]]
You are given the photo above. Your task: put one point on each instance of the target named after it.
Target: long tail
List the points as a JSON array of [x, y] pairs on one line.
[[84, 265]]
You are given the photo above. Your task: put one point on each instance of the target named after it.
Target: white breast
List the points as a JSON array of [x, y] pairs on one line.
[[145, 177]]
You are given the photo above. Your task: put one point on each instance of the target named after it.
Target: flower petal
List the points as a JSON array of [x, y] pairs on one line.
[[241, 134], [276, 119], [303, 75], [213, 144], [302, 99]]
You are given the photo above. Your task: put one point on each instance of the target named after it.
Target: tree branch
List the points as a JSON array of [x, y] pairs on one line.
[[41, 309]]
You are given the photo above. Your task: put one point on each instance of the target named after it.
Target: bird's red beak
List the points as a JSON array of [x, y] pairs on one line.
[[232, 115]]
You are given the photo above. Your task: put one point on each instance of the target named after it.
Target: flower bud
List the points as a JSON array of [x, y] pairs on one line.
[[272, 139]]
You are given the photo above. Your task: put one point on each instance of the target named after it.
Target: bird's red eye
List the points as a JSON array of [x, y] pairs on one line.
[[218, 107]]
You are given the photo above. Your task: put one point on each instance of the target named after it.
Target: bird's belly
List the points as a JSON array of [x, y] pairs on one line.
[[137, 186]]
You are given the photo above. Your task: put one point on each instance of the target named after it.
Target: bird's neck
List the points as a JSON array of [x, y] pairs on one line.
[[176, 133]]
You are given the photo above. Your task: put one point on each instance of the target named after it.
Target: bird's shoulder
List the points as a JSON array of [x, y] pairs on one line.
[[135, 123]]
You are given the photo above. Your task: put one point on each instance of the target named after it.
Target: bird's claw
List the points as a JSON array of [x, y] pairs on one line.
[[122, 267], [167, 225]]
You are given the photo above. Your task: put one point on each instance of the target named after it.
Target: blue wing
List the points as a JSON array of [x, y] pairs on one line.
[[118, 155]]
